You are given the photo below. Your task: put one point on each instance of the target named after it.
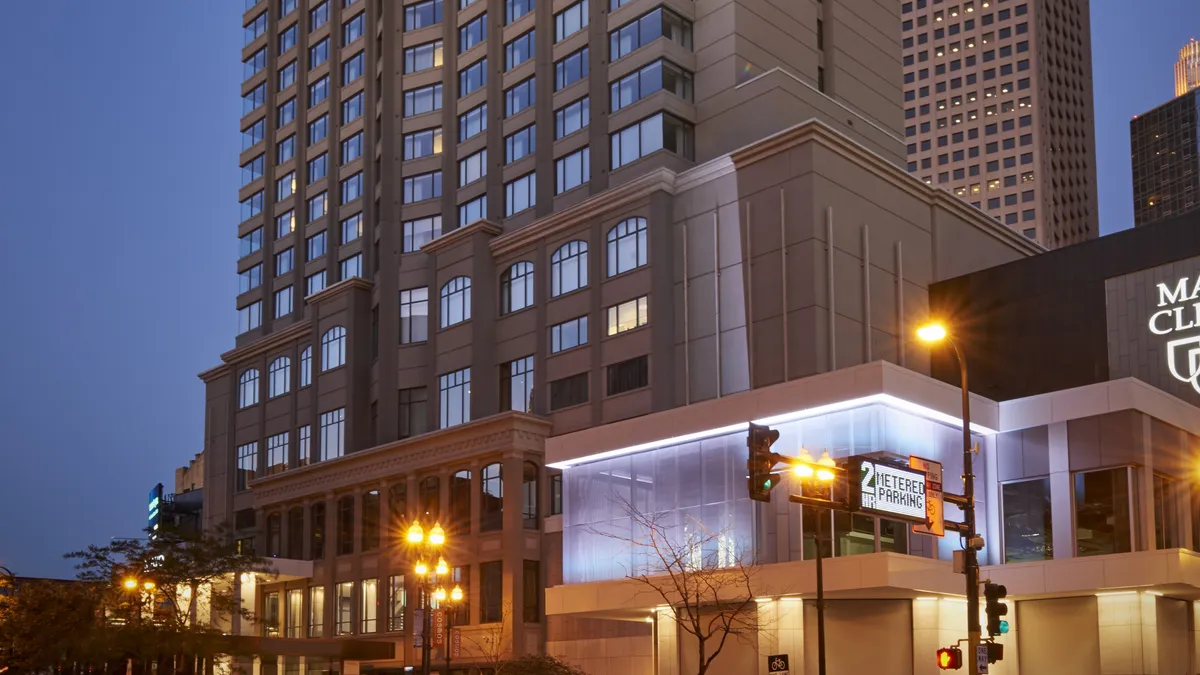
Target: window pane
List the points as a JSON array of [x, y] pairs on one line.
[[1027, 523], [1102, 518]]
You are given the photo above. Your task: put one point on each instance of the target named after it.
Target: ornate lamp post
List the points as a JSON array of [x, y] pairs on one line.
[[455, 597], [426, 548], [818, 474]]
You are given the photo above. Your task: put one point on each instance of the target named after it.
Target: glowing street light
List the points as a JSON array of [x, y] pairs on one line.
[[415, 533], [933, 332], [131, 584]]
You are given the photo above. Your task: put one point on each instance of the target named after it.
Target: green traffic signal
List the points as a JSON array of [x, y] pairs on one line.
[[1003, 627]]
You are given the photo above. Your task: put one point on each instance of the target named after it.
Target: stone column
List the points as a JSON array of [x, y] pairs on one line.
[[513, 547], [330, 563], [1062, 502]]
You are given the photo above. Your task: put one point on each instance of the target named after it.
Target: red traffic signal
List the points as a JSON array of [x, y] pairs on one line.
[[949, 658]]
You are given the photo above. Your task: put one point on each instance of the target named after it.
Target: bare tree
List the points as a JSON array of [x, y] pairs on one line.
[[493, 641], [701, 575]]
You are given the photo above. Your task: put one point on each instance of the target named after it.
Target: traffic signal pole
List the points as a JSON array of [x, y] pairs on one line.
[[974, 632]]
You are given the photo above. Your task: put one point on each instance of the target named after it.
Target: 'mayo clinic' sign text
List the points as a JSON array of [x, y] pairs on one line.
[[1180, 312]]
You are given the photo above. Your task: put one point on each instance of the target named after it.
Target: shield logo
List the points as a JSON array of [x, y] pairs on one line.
[[1183, 358]]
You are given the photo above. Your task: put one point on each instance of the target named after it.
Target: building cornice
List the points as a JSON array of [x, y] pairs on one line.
[[1100, 398], [343, 286], [462, 234], [619, 197], [494, 434]]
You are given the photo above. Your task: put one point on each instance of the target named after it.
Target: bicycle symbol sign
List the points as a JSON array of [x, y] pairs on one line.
[[777, 663]]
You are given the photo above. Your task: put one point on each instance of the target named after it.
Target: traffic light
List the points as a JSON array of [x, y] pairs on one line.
[[995, 652], [949, 658], [761, 461], [995, 609]]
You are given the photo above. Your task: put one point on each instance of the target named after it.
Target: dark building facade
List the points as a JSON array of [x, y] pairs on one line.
[[1058, 320], [1165, 149]]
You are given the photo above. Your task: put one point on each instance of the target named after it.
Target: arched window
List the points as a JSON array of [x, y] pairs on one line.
[[460, 501], [491, 511], [317, 532], [248, 388], [568, 268], [397, 507], [345, 525], [429, 496], [456, 301], [306, 366], [333, 348], [516, 287], [370, 520], [295, 540], [274, 534], [279, 377], [626, 246], [529, 496]]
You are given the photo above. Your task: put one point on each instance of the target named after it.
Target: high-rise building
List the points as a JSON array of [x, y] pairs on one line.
[[1166, 159], [470, 226], [998, 110], [1187, 69]]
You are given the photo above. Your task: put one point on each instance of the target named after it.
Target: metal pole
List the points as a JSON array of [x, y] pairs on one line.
[[821, 513], [974, 632], [447, 641], [426, 629]]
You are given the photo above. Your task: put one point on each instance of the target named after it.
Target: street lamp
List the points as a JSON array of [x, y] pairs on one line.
[[817, 474], [934, 333], [426, 547], [456, 596]]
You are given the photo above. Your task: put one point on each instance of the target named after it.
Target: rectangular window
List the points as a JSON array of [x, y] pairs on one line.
[[316, 611], [318, 167], [472, 78], [414, 315], [352, 148], [304, 435], [660, 75], [369, 606], [570, 21], [345, 606], [1027, 522], [476, 209], [352, 68], [352, 188], [531, 606], [422, 14], [556, 494], [1164, 512], [353, 29], [249, 243], [318, 16], [423, 57], [515, 9], [333, 434], [455, 398], [628, 375], [287, 75], [472, 122], [660, 132], [657, 23], [352, 266], [277, 454], [519, 50], [472, 168], [352, 228], [317, 207], [318, 129], [318, 91], [516, 385], [247, 465], [250, 278], [253, 134], [252, 206], [286, 7], [520, 194], [295, 612], [573, 170], [568, 334], [520, 144], [285, 186], [422, 186], [473, 33], [1103, 522], [256, 27], [285, 149], [419, 232], [570, 69], [628, 315], [397, 603], [318, 53], [569, 391], [571, 118], [253, 65], [316, 246], [491, 591], [284, 261], [252, 170], [283, 302], [414, 406], [254, 99], [423, 100], [352, 108], [249, 317], [519, 97]]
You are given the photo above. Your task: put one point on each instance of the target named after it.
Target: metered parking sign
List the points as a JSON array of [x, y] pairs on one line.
[[777, 664], [891, 491]]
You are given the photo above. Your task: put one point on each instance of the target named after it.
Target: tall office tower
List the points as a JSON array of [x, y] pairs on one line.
[[469, 225], [1187, 69], [1166, 159], [998, 110]]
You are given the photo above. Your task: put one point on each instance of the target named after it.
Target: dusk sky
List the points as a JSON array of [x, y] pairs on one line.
[[118, 210]]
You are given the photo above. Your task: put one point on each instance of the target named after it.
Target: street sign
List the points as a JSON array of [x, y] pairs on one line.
[[439, 628], [981, 658], [418, 628], [777, 664], [455, 643], [935, 511], [891, 491]]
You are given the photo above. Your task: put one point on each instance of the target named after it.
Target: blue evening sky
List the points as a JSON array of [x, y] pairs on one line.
[[117, 227]]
